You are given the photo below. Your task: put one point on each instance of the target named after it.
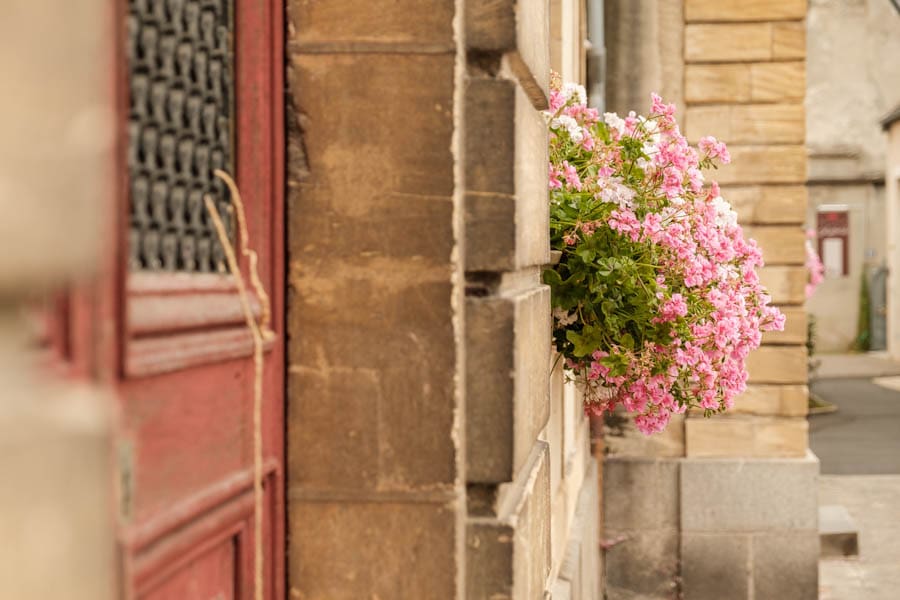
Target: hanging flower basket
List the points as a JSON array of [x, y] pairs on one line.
[[655, 294]]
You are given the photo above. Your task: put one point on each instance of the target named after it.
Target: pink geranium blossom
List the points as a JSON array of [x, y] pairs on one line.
[[671, 304]]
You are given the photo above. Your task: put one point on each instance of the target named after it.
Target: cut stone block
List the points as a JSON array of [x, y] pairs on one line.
[[746, 437], [748, 495], [508, 404], [508, 556], [778, 364], [744, 10], [838, 533]]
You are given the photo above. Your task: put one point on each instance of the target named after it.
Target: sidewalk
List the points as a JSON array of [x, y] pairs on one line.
[[872, 501], [855, 366]]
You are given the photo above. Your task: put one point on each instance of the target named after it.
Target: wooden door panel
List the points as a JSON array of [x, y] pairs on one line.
[[184, 353]]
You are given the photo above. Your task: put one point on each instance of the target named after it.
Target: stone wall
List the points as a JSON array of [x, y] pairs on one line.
[[425, 455], [892, 214], [56, 513], [725, 507]]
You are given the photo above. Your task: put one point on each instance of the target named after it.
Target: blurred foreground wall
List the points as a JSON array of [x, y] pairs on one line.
[[724, 507], [56, 517]]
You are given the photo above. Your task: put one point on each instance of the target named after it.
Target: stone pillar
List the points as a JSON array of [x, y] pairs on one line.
[[726, 507], [376, 428], [748, 513], [56, 514]]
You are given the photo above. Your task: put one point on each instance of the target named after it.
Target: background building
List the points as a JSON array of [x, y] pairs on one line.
[[851, 85]]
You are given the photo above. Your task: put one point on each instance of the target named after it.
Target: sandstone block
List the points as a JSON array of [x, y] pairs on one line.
[[506, 144], [509, 26], [786, 285], [623, 439], [507, 395], [333, 556], [763, 164], [388, 160], [768, 204], [715, 566], [728, 42], [717, 83], [313, 25], [788, 40], [781, 244], [640, 493], [747, 123], [508, 556], [778, 364], [778, 81], [748, 495], [744, 10], [644, 564], [745, 437], [786, 564], [783, 400], [794, 328]]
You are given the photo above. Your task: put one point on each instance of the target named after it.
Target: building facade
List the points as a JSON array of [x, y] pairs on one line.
[[398, 431]]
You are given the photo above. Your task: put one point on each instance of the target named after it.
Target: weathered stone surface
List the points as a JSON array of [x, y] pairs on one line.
[[644, 564], [507, 395], [490, 231], [506, 142], [715, 566], [786, 285], [778, 82], [388, 160], [778, 364], [745, 82], [794, 328], [764, 164], [784, 400], [786, 564], [728, 42], [508, 556], [509, 26], [747, 123], [717, 83], [623, 439], [768, 204], [748, 495], [788, 40], [409, 23], [781, 244], [746, 437], [578, 577], [640, 493], [490, 135], [334, 557], [744, 10]]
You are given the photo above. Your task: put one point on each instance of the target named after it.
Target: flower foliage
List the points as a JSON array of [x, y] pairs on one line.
[[656, 295]]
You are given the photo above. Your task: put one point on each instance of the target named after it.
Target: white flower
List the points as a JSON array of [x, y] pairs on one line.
[[570, 125], [573, 89], [725, 215], [615, 192], [614, 121], [564, 318]]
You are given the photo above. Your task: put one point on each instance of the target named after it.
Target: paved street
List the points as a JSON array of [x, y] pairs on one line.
[[863, 436], [859, 450]]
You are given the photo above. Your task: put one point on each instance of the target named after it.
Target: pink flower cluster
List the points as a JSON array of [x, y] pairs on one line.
[[814, 265], [708, 307]]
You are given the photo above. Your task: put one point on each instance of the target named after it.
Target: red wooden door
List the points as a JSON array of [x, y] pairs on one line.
[[200, 87]]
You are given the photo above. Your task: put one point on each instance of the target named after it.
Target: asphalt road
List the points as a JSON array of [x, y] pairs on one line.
[[863, 436]]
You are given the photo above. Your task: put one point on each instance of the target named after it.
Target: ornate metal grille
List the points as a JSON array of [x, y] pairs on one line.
[[179, 131]]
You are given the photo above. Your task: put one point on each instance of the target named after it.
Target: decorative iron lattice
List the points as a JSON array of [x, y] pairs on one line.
[[182, 94]]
